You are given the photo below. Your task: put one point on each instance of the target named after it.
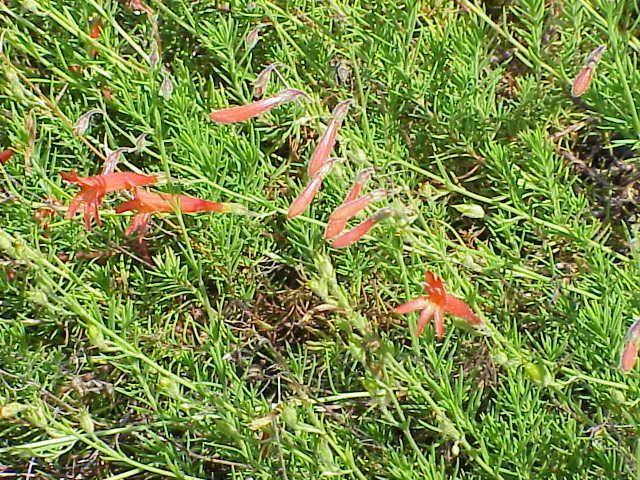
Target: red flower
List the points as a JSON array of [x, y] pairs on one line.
[[322, 151], [630, 348], [302, 201], [6, 155], [583, 79], [436, 303], [148, 203], [93, 189], [336, 226], [342, 214], [356, 233], [245, 112]]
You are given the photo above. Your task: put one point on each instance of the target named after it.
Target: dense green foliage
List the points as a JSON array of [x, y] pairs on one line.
[[246, 347]]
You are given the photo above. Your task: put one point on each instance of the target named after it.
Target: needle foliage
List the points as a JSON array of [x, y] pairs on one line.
[[245, 347]]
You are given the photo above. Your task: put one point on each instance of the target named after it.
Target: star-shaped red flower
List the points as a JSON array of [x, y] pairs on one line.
[[436, 303]]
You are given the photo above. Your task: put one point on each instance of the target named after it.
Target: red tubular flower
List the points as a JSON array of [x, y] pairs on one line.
[[148, 203], [335, 225], [93, 189], [362, 178], [356, 233], [436, 303], [322, 151], [245, 112], [302, 201], [630, 349], [6, 155], [341, 215], [583, 79]]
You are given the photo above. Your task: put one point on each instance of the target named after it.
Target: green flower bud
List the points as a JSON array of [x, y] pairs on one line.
[[320, 288], [501, 358], [36, 415], [618, 397], [455, 450], [537, 373], [96, 337], [470, 210], [325, 455], [86, 422], [325, 267], [290, 417], [6, 244], [12, 409], [168, 386], [39, 298]]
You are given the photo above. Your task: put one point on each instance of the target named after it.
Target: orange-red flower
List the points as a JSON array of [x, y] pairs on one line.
[[147, 203], [322, 151], [342, 214], [336, 225], [302, 201], [583, 79], [630, 348], [436, 303], [6, 155], [356, 233], [245, 112], [93, 189]]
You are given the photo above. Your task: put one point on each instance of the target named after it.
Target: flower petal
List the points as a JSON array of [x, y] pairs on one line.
[[629, 356], [435, 288], [458, 308], [582, 81], [438, 322], [6, 155], [419, 303], [425, 316]]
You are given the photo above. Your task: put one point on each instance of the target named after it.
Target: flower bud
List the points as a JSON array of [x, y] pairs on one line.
[[166, 88], [538, 373], [141, 142], [86, 422], [325, 455], [10, 410], [618, 397], [262, 81], [470, 210], [455, 449], [95, 336], [82, 124], [290, 416], [168, 386], [39, 298]]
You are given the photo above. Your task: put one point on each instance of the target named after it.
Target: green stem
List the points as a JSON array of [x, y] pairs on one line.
[[521, 51]]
